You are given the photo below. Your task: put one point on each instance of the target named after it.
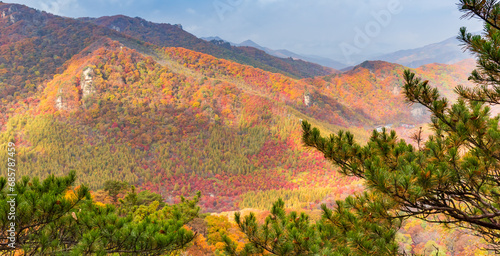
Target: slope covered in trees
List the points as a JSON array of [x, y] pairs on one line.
[[173, 128], [177, 121], [450, 178], [373, 88], [34, 45]]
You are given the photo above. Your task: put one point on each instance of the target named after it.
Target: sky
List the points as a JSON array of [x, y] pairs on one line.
[[344, 30]]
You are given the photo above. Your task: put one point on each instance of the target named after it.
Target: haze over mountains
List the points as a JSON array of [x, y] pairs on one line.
[[124, 98], [448, 51], [121, 98], [132, 88]]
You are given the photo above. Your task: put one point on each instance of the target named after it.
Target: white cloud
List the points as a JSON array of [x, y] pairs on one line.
[[59, 7]]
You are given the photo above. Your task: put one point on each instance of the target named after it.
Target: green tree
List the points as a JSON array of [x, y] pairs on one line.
[[147, 197], [359, 225], [452, 177], [51, 218], [114, 188]]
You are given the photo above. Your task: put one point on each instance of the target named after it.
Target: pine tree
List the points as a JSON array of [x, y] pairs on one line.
[[51, 218], [358, 226], [114, 188], [452, 177]]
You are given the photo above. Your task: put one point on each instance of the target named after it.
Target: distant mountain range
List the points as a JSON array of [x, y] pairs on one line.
[[327, 62], [445, 52]]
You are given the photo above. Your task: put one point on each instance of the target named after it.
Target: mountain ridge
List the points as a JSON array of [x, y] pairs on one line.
[[167, 35], [447, 51], [283, 53], [173, 120]]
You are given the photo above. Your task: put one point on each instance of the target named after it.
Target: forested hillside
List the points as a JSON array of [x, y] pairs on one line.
[[172, 120], [373, 88], [119, 98], [173, 128]]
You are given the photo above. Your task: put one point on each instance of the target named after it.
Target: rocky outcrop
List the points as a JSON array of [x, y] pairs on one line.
[[13, 13], [307, 99], [61, 103], [396, 90], [115, 28], [67, 98], [9, 14], [87, 82], [418, 112]]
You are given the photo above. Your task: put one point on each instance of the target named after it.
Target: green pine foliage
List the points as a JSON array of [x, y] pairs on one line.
[[53, 218], [450, 178], [357, 226]]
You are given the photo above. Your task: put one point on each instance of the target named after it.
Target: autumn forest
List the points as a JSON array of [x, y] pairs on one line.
[[168, 115]]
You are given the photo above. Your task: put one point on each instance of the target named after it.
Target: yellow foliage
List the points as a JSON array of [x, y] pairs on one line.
[[70, 195], [100, 204], [195, 104]]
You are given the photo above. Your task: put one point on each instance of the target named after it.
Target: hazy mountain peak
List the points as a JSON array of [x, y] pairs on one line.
[[250, 43], [211, 38], [447, 51], [373, 65]]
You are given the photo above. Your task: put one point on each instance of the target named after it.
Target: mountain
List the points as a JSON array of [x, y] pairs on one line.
[[112, 101], [107, 101], [216, 38], [35, 46], [373, 88], [166, 119], [251, 43], [445, 52], [282, 53], [288, 54], [166, 35]]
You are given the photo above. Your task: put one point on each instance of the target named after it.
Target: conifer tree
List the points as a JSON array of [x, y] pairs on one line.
[[356, 227], [114, 188], [51, 218], [452, 177]]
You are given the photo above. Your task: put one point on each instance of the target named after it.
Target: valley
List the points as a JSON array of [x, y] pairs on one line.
[[120, 98]]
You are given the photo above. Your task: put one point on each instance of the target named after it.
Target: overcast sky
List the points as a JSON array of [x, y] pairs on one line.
[[345, 30]]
